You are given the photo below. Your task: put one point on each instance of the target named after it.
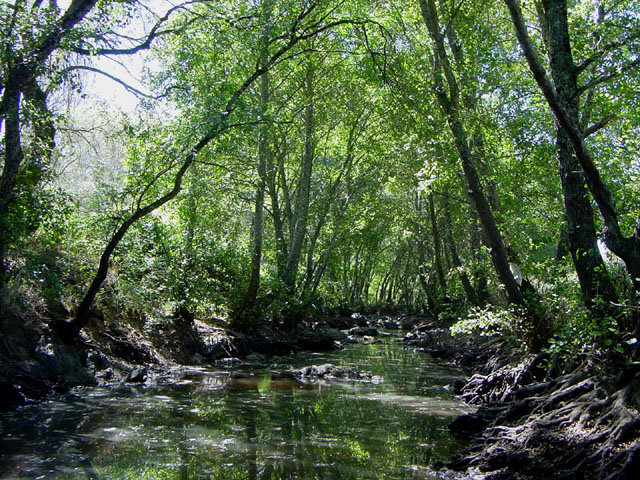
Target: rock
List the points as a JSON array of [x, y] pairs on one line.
[[106, 375], [350, 339], [390, 325], [97, 361], [329, 371], [228, 362], [364, 331], [367, 340], [359, 319], [137, 375], [316, 342], [217, 346], [471, 422], [61, 363], [335, 334]]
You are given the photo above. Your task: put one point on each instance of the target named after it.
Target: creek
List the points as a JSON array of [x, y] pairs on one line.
[[247, 423]]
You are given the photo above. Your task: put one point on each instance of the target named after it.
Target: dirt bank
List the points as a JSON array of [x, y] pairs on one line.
[[540, 418], [35, 362]]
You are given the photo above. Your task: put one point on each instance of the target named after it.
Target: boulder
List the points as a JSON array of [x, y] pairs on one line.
[[390, 324], [364, 331], [137, 375], [228, 362], [359, 319], [97, 361]]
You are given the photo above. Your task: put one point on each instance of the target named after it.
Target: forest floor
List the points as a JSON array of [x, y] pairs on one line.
[[539, 418]]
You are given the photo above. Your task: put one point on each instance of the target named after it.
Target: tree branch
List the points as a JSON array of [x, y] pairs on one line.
[[635, 35], [601, 124], [609, 76], [154, 33], [126, 86]]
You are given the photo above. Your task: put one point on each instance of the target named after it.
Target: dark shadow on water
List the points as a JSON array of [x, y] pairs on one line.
[[268, 427]]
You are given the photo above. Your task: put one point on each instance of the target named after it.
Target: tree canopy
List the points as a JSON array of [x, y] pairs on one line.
[[286, 158]]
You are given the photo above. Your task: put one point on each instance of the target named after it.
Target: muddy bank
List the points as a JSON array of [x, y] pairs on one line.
[[35, 362], [539, 418]]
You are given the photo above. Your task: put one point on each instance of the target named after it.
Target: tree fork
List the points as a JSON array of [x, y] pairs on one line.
[[627, 248]]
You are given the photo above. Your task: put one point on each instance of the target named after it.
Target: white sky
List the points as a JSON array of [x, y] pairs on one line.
[[128, 68]]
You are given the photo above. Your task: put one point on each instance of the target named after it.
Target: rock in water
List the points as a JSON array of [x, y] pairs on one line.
[[330, 372], [364, 331], [137, 375]]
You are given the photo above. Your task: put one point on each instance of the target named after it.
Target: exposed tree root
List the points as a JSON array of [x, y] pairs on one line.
[[582, 425]]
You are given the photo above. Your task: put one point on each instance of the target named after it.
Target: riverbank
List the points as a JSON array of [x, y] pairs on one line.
[[35, 362], [540, 417], [537, 417], [368, 411]]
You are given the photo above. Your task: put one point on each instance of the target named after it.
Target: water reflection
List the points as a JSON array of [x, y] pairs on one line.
[[261, 425]]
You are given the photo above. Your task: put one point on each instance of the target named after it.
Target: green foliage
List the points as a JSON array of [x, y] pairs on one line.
[[487, 321], [382, 150]]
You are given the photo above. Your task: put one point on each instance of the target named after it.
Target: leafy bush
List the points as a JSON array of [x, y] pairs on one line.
[[486, 321]]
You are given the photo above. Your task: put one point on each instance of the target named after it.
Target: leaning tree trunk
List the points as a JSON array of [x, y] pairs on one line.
[[448, 98], [597, 289], [71, 329], [627, 248]]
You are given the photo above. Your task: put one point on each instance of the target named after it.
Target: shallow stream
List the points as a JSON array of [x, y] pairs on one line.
[[204, 424]]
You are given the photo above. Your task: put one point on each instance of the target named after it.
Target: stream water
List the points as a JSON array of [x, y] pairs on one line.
[[206, 425]]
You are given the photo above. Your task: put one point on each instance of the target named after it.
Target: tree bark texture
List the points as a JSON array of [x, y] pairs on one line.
[[264, 153], [448, 103], [448, 98]]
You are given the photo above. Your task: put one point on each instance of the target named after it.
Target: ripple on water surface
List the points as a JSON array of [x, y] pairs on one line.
[[199, 426]]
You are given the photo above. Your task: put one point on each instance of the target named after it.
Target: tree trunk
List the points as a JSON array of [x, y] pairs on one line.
[[479, 273], [627, 248], [304, 186], [282, 246], [13, 156], [455, 258], [448, 98], [20, 74], [437, 246], [597, 289], [257, 227]]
